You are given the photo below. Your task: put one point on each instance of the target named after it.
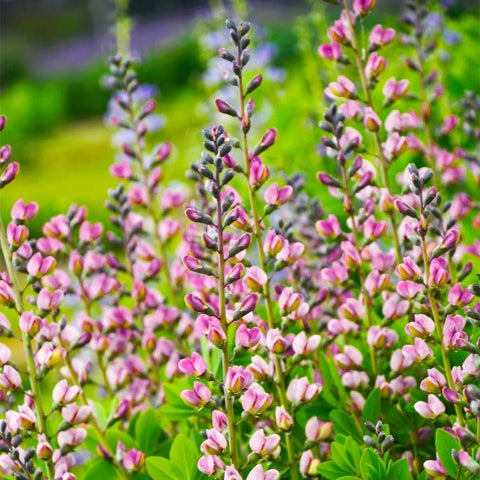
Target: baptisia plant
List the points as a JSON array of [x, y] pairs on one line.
[[243, 331]]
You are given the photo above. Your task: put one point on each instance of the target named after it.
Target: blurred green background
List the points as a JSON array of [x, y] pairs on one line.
[[53, 55]]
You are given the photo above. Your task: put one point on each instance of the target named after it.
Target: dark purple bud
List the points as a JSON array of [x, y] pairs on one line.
[[224, 107], [328, 180], [235, 274], [267, 141], [198, 217], [209, 242], [365, 180], [253, 84], [247, 306], [405, 209], [3, 122], [226, 55]]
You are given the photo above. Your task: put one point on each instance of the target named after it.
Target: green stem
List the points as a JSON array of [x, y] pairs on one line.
[[378, 141], [27, 344]]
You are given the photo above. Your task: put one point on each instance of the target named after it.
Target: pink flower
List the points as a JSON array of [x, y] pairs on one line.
[[417, 352], [238, 379], [38, 267], [459, 297], [375, 65], [421, 327], [408, 270], [350, 357], [305, 346], [435, 468], [362, 7], [329, 228], [342, 88], [10, 379], [300, 390], [44, 449], [248, 337], [215, 444], [381, 337], [309, 464], [278, 196], [434, 382], [231, 474], [255, 400], [194, 366], [439, 275], [265, 446], [453, 334], [350, 257], [133, 460], [317, 430], [257, 473], [47, 301], [57, 227], [430, 409], [260, 368], [22, 212], [408, 289], [16, 234], [72, 437], [75, 414], [339, 33], [259, 173], [371, 120], [255, 279], [380, 36], [395, 145], [209, 464], [394, 90], [330, 51], [273, 243], [198, 397], [89, 233], [63, 394], [283, 419], [10, 173]]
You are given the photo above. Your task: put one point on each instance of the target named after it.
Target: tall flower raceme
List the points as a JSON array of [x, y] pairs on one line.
[[269, 337]]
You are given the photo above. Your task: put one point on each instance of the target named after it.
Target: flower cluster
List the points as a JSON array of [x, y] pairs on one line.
[[242, 330]]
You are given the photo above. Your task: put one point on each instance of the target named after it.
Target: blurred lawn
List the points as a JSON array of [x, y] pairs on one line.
[[64, 163]]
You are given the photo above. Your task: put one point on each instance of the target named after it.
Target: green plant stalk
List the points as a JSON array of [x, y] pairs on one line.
[[232, 435], [122, 27], [378, 141], [27, 345], [280, 374], [366, 296]]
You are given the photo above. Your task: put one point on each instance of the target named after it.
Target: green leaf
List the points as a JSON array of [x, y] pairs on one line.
[[114, 436], [176, 413], [349, 477], [100, 414], [399, 469], [149, 433], [372, 465], [331, 470], [101, 469], [445, 443], [354, 451], [339, 456], [346, 424], [184, 455], [160, 468], [371, 409]]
